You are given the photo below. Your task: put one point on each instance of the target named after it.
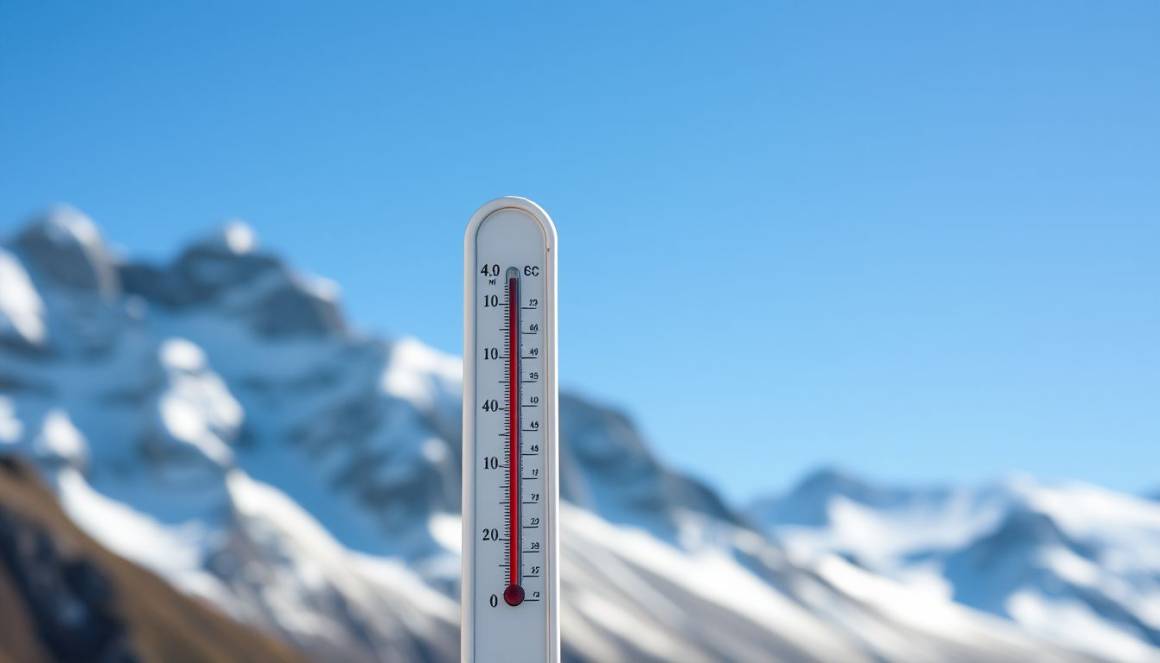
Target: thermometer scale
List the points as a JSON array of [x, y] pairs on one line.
[[510, 588]]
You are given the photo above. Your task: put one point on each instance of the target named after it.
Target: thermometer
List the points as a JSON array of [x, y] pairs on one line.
[[510, 588]]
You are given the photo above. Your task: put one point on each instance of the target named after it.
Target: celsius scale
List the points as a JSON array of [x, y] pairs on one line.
[[510, 607]]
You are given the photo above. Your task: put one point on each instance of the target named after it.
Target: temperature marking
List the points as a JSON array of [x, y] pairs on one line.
[[513, 595]]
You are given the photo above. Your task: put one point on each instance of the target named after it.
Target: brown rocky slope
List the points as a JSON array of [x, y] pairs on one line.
[[65, 598]]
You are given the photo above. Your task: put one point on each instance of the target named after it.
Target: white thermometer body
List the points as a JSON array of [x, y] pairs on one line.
[[510, 491]]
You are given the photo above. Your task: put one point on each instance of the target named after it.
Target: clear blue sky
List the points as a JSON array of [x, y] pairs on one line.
[[916, 240]]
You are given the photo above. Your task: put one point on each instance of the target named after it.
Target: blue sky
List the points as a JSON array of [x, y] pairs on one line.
[[915, 240]]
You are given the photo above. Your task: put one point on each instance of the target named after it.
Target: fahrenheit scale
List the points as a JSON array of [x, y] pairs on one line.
[[510, 587]]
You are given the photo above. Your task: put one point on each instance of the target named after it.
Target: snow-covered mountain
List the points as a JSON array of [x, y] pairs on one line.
[[218, 420], [1070, 562], [66, 598]]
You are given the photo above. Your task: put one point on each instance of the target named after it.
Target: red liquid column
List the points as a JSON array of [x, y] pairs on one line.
[[513, 595]]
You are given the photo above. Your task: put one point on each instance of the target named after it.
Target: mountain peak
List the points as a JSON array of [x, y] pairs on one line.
[[831, 478], [1025, 527], [63, 245], [225, 269], [830, 481], [234, 237], [810, 502], [66, 221]]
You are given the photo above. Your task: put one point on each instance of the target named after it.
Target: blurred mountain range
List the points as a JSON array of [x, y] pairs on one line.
[[218, 421]]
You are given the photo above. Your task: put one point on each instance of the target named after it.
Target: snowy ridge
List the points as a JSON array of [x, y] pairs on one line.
[[216, 419], [1074, 563]]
